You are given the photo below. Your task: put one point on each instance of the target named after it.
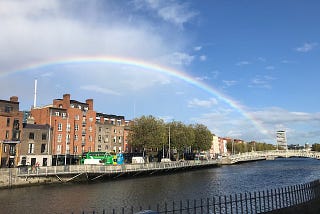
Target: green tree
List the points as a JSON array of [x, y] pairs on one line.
[[147, 132], [203, 138], [181, 136], [316, 147]]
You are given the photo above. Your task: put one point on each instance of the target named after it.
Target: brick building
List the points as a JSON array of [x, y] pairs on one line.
[[73, 128], [10, 131]]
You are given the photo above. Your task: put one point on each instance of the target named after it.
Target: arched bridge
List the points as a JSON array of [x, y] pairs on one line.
[[269, 155]]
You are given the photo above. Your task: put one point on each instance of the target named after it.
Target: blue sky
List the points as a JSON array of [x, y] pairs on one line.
[[260, 60]]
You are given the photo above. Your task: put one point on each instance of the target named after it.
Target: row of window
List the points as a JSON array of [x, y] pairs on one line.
[[75, 149], [32, 136], [107, 130], [76, 127], [106, 139], [31, 146]]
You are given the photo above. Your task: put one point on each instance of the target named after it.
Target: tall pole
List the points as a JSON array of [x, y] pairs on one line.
[[169, 143], [35, 94]]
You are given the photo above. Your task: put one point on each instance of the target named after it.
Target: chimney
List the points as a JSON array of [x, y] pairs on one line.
[[90, 103], [66, 101], [14, 99]]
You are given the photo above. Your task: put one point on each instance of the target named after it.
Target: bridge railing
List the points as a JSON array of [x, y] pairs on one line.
[[274, 153], [124, 168]]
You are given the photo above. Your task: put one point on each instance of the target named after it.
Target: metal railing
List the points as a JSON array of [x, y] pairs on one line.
[[109, 169], [243, 203]]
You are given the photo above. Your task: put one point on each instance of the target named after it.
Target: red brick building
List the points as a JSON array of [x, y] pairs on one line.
[[10, 131], [73, 127]]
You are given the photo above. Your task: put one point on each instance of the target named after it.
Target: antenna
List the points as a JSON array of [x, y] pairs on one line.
[[35, 94]]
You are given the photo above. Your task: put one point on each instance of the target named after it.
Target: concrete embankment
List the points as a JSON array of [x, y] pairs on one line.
[[9, 178], [13, 177]]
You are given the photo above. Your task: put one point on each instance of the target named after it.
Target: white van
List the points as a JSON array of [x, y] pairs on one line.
[[137, 160]]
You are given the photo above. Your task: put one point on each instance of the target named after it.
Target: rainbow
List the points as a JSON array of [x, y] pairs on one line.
[[150, 67]]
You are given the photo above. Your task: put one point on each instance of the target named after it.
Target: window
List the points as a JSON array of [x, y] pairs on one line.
[[58, 149], [119, 139], [7, 134], [64, 115], [99, 148], [75, 149], [31, 136], [44, 136], [99, 138], [16, 124], [57, 113], [90, 138], [43, 148], [68, 138], [77, 117], [68, 127], [4, 148], [31, 148], [114, 139], [76, 137], [100, 129], [67, 149], [119, 122], [8, 122], [8, 109], [114, 131], [60, 127], [106, 139], [59, 138], [76, 127]]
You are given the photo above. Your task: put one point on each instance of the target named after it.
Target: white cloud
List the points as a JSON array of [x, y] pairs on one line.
[[202, 103], [97, 89], [241, 63], [306, 47], [261, 82], [202, 78], [179, 58], [170, 11], [270, 67], [203, 58], [229, 83], [197, 48]]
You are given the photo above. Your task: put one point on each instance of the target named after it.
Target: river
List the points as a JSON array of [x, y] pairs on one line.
[[144, 191]]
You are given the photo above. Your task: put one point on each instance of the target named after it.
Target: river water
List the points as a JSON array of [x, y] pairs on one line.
[[144, 191]]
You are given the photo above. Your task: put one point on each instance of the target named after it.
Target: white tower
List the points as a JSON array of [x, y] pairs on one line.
[[282, 140]]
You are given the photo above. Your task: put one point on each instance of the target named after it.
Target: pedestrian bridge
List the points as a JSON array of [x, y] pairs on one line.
[[269, 155]]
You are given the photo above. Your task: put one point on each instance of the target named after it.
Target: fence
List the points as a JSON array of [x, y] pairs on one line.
[[249, 203]]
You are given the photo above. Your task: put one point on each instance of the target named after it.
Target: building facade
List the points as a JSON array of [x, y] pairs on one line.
[[73, 128], [110, 133], [35, 146], [10, 131]]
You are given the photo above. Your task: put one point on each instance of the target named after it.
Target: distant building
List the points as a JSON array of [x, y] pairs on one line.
[[215, 148], [282, 140], [10, 131]]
